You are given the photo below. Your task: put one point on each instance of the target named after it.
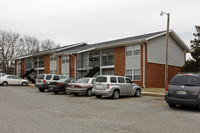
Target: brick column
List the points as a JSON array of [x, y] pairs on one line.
[[72, 66], [47, 64], [59, 66], [120, 61]]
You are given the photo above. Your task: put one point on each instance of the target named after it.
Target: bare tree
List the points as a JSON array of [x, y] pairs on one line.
[[48, 44], [28, 45], [8, 43]]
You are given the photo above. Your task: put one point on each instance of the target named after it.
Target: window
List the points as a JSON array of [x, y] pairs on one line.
[[133, 74], [62, 77], [53, 58], [10, 77], [113, 80], [56, 77], [108, 57], [65, 59], [129, 74], [83, 80], [15, 77], [48, 77], [101, 79], [136, 74], [128, 81], [121, 80], [133, 50], [40, 77]]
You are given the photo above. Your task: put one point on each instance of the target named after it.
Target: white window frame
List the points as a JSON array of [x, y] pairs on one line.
[[133, 50], [131, 73]]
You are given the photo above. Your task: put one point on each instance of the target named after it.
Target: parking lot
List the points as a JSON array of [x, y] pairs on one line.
[[26, 110]]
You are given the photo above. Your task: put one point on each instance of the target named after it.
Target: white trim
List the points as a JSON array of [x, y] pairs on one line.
[[86, 50], [73, 45], [143, 65], [110, 66]]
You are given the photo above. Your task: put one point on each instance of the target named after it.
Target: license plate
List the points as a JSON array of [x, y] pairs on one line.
[[181, 93], [99, 86], [72, 86]]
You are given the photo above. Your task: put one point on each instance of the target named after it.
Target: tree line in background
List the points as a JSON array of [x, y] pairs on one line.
[[13, 45], [193, 65]]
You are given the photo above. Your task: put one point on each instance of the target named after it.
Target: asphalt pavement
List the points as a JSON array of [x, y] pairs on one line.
[[26, 110]]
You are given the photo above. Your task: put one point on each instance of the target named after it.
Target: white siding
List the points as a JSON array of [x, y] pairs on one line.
[[65, 65], [156, 52]]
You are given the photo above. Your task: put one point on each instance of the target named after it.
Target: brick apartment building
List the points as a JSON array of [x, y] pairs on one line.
[[141, 58]]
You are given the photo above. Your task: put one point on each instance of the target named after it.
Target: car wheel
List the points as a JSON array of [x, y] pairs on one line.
[[172, 105], [5, 83], [89, 92], [56, 92], [41, 89], [138, 93], [76, 94], [115, 94], [23, 83], [98, 96]]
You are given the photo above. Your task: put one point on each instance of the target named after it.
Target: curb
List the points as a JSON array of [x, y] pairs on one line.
[[153, 94]]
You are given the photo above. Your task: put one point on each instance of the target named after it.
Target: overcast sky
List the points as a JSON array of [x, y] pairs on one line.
[[92, 21]]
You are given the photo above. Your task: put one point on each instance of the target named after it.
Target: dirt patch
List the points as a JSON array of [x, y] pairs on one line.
[[158, 90]]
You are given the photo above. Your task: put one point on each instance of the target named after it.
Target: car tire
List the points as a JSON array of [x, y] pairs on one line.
[[172, 105], [116, 94], [89, 92], [23, 84], [98, 96], [56, 92], [41, 89], [138, 93], [5, 83]]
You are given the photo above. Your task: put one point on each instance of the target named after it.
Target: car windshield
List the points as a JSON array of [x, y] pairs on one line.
[[185, 80], [82, 81]]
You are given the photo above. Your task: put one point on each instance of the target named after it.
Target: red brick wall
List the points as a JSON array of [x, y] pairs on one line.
[[155, 74], [120, 61], [59, 66], [47, 64], [22, 67], [72, 66]]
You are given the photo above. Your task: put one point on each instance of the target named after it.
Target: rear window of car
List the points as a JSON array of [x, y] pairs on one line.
[[121, 80], [82, 81], [48, 77], [185, 80], [56, 77], [62, 77], [101, 79], [40, 77]]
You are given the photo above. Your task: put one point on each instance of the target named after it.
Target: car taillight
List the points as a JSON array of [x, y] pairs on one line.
[[44, 81], [76, 86], [59, 84], [68, 85], [167, 88], [108, 86]]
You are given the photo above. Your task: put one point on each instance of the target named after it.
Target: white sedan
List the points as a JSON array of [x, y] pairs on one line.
[[12, 80]]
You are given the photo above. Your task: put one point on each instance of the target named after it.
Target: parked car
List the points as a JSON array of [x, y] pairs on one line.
[[81, 86], [183, 89], [60, 85], [115, 86], [2, 74], [43, 80], [12, 80]]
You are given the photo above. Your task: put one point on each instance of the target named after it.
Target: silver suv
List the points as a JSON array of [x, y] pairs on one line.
[[43, 80], [115, 86]]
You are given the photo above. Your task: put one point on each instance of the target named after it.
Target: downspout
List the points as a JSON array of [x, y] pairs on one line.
[[143, 63]]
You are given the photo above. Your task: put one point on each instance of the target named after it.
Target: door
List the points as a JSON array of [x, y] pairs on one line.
[[17, 80], [123, 87], [129, 86]]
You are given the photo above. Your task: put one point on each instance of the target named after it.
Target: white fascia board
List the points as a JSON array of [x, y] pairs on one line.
[[86, 50], [123, 43], [152, 37], [23, 57], [71, 46]]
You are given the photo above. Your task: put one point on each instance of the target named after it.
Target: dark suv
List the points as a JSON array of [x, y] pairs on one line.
[[183, 89]]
